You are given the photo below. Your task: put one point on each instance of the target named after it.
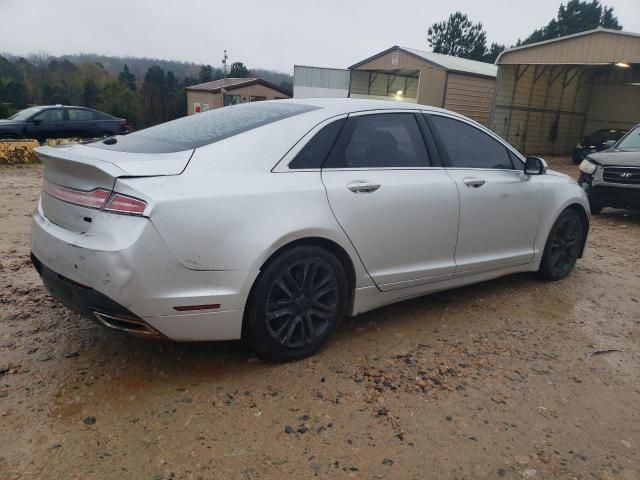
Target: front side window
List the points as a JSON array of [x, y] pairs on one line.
[[470, 147], [51, 115], [384, 140]]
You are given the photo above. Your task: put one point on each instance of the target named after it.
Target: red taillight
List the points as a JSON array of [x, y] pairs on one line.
[[120, 203], [92, 199], [123, 125]]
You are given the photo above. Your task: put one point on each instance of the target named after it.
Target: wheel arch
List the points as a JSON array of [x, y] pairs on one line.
[[313, 241], [584, 219]]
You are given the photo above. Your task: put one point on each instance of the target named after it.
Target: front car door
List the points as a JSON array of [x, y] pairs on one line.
[[398, 208], [49, 123], [500, 206]]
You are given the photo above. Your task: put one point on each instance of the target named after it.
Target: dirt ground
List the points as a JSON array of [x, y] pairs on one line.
[[513, 378]]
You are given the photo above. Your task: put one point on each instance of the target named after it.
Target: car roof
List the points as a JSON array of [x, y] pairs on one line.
[[337, 106], [42, 107]]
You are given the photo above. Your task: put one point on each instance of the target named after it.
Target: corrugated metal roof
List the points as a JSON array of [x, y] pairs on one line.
[[565, 38], [457, 64], [222, 83], [446, 62], [232, 83]]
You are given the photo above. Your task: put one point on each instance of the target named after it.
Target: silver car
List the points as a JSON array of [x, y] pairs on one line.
[[271, 221]]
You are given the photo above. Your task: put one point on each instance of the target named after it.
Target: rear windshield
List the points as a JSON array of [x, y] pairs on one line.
[[204, 128]]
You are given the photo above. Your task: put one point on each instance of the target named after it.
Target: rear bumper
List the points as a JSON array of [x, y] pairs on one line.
[[91, 303], [123, 268]]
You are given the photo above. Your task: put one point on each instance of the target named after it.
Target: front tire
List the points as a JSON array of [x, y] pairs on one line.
[[297, 304], [595, 207], [563, 246]]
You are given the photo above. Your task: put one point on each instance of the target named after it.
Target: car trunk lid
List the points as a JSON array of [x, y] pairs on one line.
[[79, 169]]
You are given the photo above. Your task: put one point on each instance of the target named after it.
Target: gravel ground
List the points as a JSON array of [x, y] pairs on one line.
[[513, 378]]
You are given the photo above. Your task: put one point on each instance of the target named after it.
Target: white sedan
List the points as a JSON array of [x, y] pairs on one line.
[[271, 221]]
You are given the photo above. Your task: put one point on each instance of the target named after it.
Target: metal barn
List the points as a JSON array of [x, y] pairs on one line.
[[400, 73], [550, 94]]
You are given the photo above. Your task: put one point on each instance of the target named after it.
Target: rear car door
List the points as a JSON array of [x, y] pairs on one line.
[[500, 206], [82, 123], [398, 207]]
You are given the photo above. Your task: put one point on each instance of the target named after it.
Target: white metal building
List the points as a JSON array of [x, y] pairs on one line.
[[320, 82]]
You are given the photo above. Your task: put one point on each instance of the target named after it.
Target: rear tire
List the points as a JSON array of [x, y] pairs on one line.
[[297, 304], [563, 246]]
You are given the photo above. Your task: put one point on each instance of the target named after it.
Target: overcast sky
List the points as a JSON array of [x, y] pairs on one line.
[[273, 34]]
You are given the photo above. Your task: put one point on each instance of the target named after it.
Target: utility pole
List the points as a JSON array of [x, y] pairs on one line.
[[224, 64]]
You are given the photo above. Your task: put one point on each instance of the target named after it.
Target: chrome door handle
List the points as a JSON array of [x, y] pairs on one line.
[[474, 182], [361, 186]]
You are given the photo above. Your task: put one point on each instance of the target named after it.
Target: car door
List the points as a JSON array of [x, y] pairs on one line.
[[81, 123], [397, 206], [49, 123], [500, 206]]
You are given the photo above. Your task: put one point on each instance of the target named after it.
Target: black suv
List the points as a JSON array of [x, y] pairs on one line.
[[611, 178], [58, 121], [596, 142]]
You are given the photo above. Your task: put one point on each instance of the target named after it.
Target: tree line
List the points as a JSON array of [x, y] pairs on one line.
[[460, 37], [144, 100]]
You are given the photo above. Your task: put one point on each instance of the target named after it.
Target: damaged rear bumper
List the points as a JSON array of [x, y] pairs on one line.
[[122, 274]]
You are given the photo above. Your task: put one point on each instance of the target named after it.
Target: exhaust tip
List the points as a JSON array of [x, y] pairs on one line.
[[130, 325]]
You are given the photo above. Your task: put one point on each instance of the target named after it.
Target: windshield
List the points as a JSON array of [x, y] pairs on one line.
[[601, 136], [24, 114], [201, 129], [631, 141]]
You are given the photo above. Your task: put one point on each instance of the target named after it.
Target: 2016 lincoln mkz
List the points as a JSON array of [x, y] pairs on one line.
[[271, 221]]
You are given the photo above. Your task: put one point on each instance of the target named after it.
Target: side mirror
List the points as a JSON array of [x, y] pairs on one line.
[[609, 144], [36, 121], [535, 166]]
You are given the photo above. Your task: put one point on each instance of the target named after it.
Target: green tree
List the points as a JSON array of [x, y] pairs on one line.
[[153, 96], [171, 99], [127, 78], [118, 100], [206, 73], [577, 16], [90, 93], [238, 70], [459, 37], [492, 53]]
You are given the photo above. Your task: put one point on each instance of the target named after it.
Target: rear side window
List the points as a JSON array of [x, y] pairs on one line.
[[202, 129], [470, 147], [78, 115], [384, 140], [315, 152]]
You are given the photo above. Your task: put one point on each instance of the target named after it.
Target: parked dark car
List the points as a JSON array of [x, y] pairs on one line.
[[611, 178], [58, 121], [596, 142]]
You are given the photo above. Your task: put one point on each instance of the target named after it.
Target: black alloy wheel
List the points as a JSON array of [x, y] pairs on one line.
[[563, 246], [299, 301]]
